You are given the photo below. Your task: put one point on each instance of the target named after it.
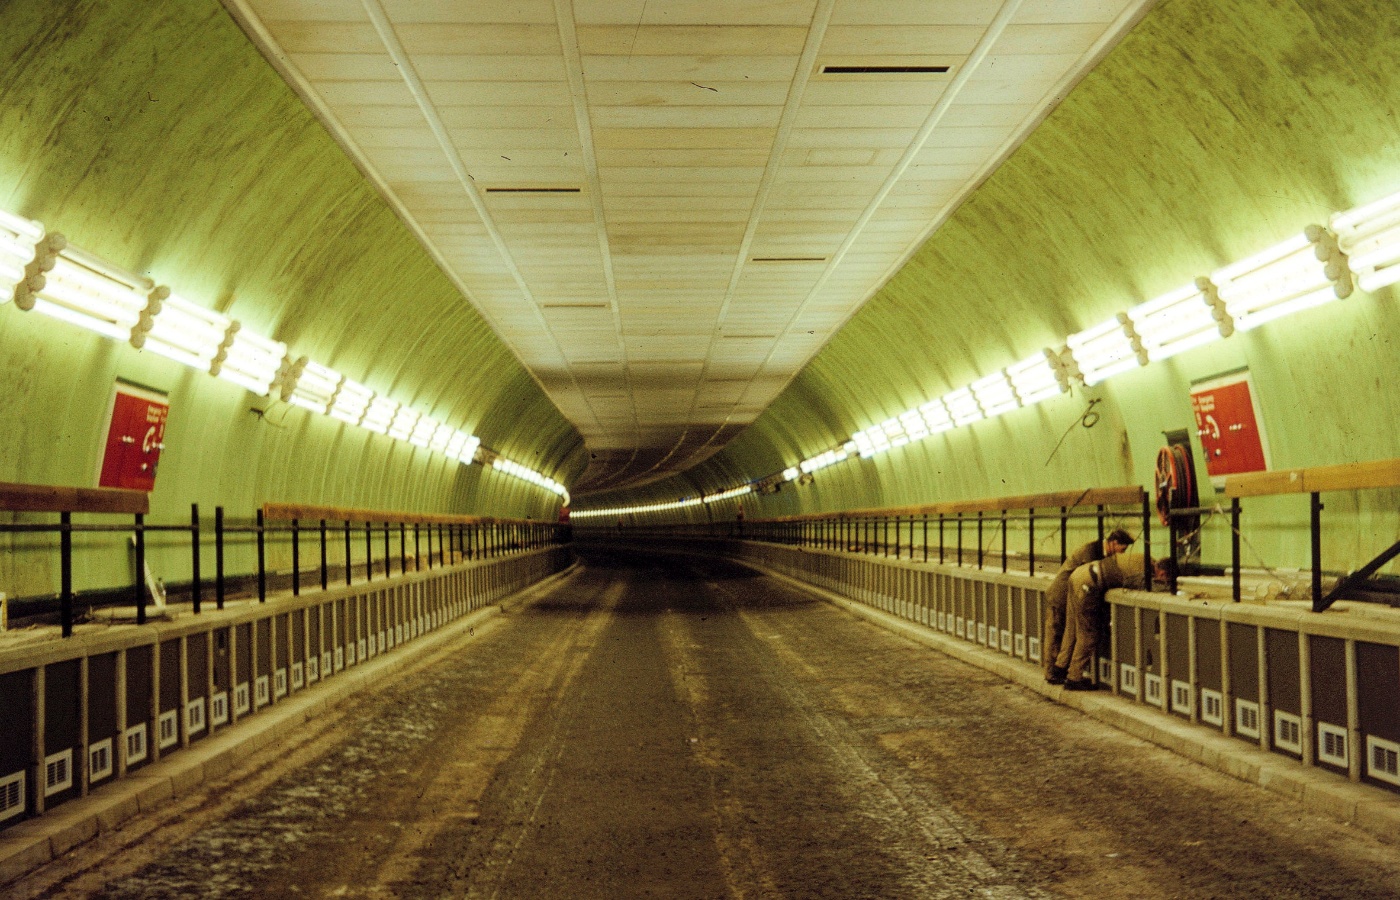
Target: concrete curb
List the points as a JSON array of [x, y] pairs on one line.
[[31, 844], [1364, 808]]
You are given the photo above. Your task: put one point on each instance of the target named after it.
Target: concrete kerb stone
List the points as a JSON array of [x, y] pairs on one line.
[[1319, 792], [28, 845]]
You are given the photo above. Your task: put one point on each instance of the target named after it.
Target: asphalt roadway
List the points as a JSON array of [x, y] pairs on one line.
[[669, 726]]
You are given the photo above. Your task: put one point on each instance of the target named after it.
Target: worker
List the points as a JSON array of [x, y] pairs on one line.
[[1087, 586], [1055, 597]]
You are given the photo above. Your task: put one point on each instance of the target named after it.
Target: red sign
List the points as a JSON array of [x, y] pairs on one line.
[[134, 439], [1229, 426]]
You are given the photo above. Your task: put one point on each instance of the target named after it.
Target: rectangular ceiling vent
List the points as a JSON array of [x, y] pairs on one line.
[[884, 70], [574, 306], [533, 189], [895, 68], [787, 259]]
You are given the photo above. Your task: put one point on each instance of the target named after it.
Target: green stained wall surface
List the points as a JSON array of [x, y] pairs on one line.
[[155, 135], [1213, 131]]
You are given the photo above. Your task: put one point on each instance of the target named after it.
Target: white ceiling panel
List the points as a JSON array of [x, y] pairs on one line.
[[665, 208]]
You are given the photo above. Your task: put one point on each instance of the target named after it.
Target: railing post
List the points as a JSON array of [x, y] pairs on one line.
[[1064, 534], [219, 557], [325, 573], [417, 564], [960, 547], [1235, 548], [1171, 554], [1003, 540], [941, 520], [403, 549], [65, 568], [296, 557], [388, 556], [925, 537], [196, 592], [348, 571], [262, 559], [1030, 541], [369, 551], [979, 539], [1315, 525], [140, 569], [1146, 541]]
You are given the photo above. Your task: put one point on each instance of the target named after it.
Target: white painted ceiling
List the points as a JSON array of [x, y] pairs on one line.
[[715, 206]]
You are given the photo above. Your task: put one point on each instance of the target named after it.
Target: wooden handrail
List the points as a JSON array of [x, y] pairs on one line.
[[54, 498], [1128, 495], [281, 512], [1381, 473]]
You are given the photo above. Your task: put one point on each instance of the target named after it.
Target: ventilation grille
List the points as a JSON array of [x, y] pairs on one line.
[[168, 729], [313, 669], [364, 648], [960, 626], [1152, 685], [533, 189], [1288, 732], [1005, 641], [194, 716], [218, 708], [1382, 760], [1247, 718], [884, 70], [1034, 648], [12, 796], [1128, 678], [279, 683], [982, 633], [136, 744], [1105, 671], [339, 657], [1182, 697], [1332, 745], [298, 676], [327, 664], [262, 691], [58, 772], [1212, 707], [1021, 645], [100, 760], [240, 698]]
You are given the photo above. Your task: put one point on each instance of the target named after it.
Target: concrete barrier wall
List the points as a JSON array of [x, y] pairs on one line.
[[78, 713], [1319, 688]]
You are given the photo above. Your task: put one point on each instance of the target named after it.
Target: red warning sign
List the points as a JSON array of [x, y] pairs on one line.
[[134, 439], [1229, 426]]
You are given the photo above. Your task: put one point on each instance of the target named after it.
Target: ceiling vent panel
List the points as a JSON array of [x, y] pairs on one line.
[[895, 68]]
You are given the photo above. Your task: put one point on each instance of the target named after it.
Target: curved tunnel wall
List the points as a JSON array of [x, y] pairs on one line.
[[1213, 131], [156, 136]]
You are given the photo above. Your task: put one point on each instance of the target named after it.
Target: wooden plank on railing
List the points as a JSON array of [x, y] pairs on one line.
[[54, 498], [1127, 495], [306, 512], [1380, 473], [1259, 484]]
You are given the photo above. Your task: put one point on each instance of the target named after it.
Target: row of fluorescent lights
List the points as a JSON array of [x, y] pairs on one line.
[[730, 494], [40, 272], [1357, 248]]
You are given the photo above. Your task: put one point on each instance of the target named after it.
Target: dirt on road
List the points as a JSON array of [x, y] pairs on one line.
[[667, 726]]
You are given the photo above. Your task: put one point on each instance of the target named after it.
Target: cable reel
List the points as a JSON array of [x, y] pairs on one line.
[[1175, 480]]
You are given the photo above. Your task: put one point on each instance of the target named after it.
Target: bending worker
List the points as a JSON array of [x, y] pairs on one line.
[[1087, 586], [1055, 598]]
